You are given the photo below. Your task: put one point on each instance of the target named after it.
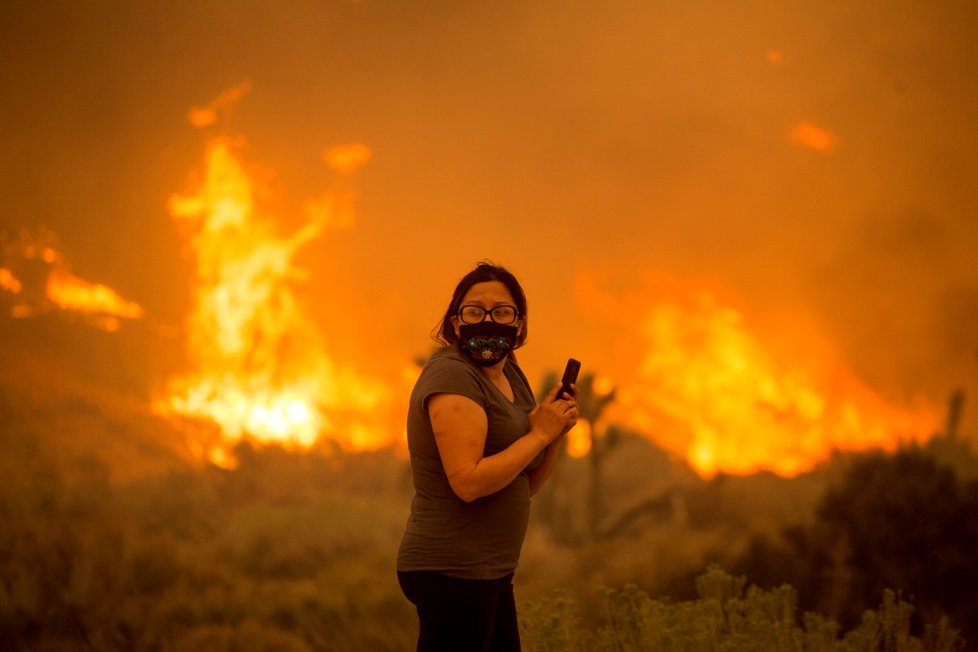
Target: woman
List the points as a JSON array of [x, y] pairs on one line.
[[480, 447]]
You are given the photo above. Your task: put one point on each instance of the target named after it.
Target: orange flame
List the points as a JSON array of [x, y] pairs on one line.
[[579, 439], [259, 365], [69, 292], [707, 388], [205, 116], [44, 281], [9, 282]]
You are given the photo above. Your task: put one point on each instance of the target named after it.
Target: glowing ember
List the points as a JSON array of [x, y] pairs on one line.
[[346, 158], [707, 388], [8, 282], [205, 116], [259, 365], [813, 137], [774, 56]]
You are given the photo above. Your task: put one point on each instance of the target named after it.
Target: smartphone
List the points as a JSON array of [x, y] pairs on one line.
[[570, 377]]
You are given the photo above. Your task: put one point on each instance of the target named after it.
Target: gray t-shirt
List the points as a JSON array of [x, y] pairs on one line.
[[481, 539]]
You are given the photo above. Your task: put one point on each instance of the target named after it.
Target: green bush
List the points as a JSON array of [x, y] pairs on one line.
[[725, 618]]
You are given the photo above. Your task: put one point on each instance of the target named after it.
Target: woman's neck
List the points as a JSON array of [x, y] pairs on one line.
[[497, 376], [496, 372]]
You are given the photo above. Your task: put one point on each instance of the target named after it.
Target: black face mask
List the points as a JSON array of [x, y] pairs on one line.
[[487, 342]]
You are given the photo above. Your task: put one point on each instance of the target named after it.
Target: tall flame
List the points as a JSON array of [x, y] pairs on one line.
[[259, 365], [708, 388]]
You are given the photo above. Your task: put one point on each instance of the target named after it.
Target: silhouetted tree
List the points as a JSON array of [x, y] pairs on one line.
[[592, 404], [904, 522], [901, 521], [556, 502]]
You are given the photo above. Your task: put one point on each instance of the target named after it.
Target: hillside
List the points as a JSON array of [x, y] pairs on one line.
[[75, 395], [117, 537]]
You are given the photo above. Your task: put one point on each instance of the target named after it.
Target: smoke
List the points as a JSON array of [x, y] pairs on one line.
[[622, 136]]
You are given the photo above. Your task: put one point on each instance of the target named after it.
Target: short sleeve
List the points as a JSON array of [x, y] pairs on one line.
[[446, 374]]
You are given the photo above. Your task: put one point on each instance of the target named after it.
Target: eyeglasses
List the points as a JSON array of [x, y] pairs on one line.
[[476, 314]]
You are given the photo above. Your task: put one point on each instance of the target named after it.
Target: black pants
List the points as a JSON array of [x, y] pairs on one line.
[[459, 615]]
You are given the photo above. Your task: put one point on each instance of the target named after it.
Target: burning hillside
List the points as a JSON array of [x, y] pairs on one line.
[[729, 399], [35, 278], [691, 373]]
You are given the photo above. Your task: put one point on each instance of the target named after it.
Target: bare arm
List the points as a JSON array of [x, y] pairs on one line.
[[460, 428]]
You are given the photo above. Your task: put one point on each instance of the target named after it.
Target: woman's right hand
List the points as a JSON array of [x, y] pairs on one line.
[[553, 417]]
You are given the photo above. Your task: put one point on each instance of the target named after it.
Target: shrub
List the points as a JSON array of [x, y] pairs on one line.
[[725, 618]]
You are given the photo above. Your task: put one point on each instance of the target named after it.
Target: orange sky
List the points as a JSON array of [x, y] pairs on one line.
[[818, 162]]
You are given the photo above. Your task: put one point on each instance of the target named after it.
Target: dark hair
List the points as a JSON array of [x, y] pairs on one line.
[[444, 332]]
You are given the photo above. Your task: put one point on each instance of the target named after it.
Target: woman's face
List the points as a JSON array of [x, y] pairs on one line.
[[488, 295]]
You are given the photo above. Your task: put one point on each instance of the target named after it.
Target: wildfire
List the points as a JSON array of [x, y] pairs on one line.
[[708, 389], [579, 438], [39, 277], [260, 367], [69, 292]]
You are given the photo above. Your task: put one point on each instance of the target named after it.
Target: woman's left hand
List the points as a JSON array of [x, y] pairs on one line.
[[565, 409], [575, 410]]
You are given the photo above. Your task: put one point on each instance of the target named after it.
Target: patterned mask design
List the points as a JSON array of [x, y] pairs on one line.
[[487, 342]]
